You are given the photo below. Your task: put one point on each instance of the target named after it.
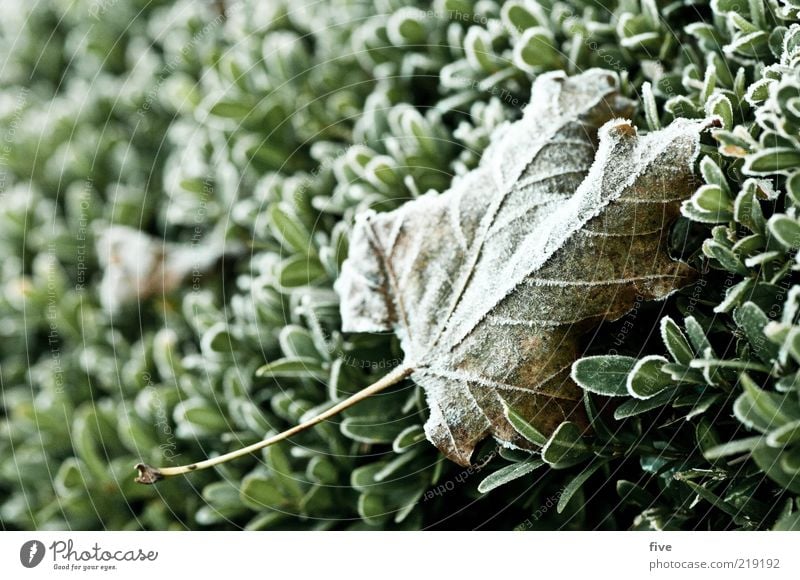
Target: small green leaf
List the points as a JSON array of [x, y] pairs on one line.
[[604, 375], [635, 407], [712, 199], [297, 342], [408, 438], [259, 492], [720, 106], [713, 175], [478, 50], [217, 340], [524, 428], [696, 334], [289, 230], [785, 434], [735, 295], [203, 416], [565, 447], [702, 404], [372, 430], [775, 160], [230, 109], [520, 16], [535, 51], [726, 258], [676, 343], [733, 448], [752, 45], [407, 27], [747, 211], [633, 493], [647, 377], [770, 407], [691, 211], [705, 435], [576, 483], [793, 187], [300, 270], [786, 230], [394, 466], [752, 320], [281, 471], [769, 460], [650, 108], [293, 367], [363, 478], [758, 92], [790, 461], [224, 502], [717, 501], [508, 473], [788, 523], [321, 470], [372, 509]]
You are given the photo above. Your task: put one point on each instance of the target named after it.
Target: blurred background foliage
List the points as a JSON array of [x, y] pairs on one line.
[[173, 134]]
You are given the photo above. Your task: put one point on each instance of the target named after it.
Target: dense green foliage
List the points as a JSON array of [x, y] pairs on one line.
[[273, 123]]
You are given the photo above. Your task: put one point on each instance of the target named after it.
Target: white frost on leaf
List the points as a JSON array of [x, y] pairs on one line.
[[137, 266], [490, 284]]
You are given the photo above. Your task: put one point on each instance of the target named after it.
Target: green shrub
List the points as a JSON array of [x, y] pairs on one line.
[[268, 126]]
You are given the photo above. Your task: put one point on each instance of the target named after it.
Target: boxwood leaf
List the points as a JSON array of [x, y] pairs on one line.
[[647, 378], [604, 375], [509, 473]]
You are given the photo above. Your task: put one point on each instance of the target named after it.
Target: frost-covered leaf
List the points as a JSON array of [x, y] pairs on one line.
[[490, 285], [604, 375], [565, 447], [509, 473], [647, 378], [137, 266]]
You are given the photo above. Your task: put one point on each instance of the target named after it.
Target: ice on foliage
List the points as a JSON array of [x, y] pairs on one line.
[[490, 284]]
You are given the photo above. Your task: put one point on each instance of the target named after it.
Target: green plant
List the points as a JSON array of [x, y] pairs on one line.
[[272, 125]]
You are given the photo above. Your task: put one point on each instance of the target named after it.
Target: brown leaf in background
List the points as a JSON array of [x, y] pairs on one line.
[[137, 266], [490, 284]]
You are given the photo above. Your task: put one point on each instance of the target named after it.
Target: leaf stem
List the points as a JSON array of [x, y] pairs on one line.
[[148, 474]]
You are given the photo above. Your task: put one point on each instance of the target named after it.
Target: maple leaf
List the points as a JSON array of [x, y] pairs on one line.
[[490, 285]]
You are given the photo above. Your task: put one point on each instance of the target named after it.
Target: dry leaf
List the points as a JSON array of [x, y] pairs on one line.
[[490, 284], [137, 266]]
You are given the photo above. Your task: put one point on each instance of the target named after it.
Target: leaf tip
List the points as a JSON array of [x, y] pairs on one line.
[[621, 129]]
